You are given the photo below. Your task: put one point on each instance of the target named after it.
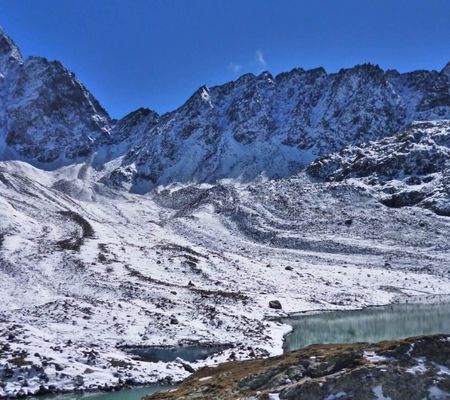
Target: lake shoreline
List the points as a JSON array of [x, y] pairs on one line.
[[428, 299], [93, 394]]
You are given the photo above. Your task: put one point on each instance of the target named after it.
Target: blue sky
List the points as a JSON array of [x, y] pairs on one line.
[[155, 53]]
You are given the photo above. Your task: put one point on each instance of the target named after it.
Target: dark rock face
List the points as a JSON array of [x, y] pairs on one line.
[[47, 115], [141, 120], [58, 118], [446, 70], [275, 304], [9, 54], [411, 168], [411, 369]]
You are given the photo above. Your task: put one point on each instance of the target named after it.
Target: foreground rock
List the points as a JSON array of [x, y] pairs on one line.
[[416, 368]]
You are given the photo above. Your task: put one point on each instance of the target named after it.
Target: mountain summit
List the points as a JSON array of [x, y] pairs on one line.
[[446, 70], [48, 117], [9, 53]]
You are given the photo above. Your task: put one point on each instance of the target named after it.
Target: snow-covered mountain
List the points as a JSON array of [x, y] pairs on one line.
[[256, 126], [273, 126]]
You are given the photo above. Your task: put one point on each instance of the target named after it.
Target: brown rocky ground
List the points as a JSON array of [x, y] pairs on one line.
[[410, 369]]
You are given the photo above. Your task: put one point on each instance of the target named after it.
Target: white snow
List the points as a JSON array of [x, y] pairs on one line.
[[378, 392], [372, 357], [420, 368], [127, 281], [336, 396]]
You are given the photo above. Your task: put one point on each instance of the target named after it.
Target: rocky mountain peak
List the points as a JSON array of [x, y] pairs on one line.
[[260, 125], [137, 115], [9, 53], [246, 78], [129, 127], [368, 73], [200, 98], [266, 75], [446, 70], [49, 118]]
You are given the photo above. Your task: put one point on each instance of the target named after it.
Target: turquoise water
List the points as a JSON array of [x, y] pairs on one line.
[[397, 321], [166, 354], [125, 394]]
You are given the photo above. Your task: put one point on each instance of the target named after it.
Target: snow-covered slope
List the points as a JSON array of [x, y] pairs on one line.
[[81, 279], [410, 168]]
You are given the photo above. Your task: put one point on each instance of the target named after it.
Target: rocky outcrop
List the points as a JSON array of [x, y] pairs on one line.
[[411, 168], [446, 70], [411, 369], [130, 126]]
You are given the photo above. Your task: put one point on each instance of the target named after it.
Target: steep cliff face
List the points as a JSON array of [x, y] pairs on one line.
[[48, 117], [10, 61], [9, 54], [132, 125], [446, 70]]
